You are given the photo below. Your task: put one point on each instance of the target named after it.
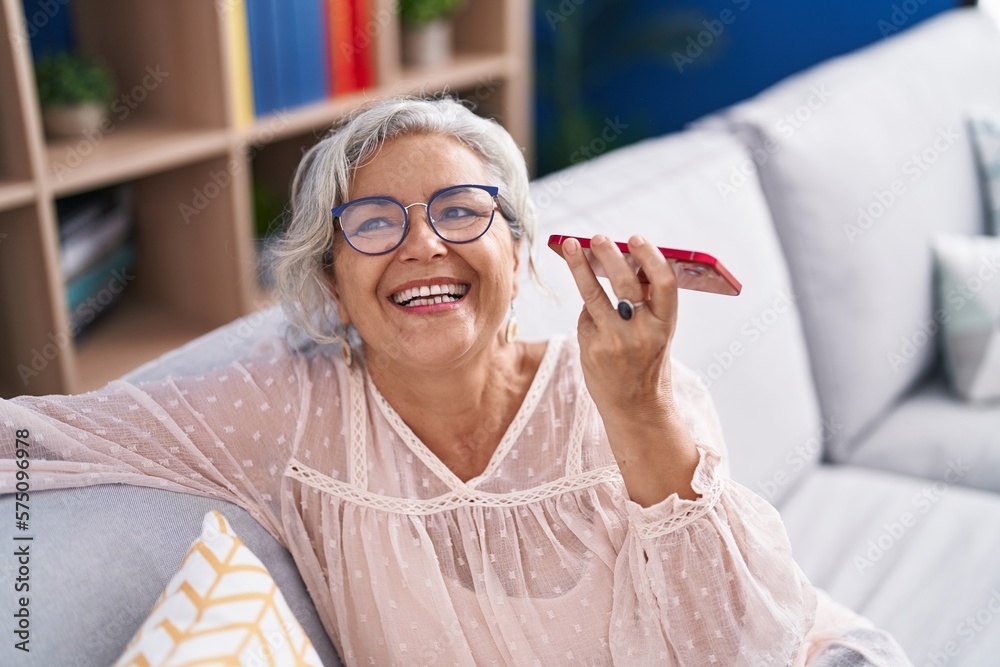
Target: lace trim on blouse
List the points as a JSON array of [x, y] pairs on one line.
[[648, 522], [355, 490], [458, 498]]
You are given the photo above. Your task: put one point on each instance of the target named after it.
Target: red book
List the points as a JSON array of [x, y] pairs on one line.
[[363, 69], [343, 54]]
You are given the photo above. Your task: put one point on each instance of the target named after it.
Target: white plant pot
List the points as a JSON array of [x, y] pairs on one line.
[[69, 122], [427, 45]]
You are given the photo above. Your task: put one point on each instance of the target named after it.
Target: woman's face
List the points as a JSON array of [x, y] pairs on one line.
[[369, 288]]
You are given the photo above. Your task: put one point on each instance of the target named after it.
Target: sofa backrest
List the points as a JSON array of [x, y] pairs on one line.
[[216, 349], [862, 159], [748, 349]]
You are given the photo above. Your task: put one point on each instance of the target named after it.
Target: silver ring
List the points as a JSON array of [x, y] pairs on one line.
[[627, 309]]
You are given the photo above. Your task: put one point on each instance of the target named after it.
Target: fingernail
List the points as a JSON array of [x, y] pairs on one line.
[[598, 239], [572, 246], [638, 240]]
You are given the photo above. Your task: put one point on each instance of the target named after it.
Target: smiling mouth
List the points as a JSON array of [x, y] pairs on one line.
[[428, 295]]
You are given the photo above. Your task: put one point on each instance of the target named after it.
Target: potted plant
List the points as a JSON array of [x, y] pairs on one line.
[[74, 92], [427, 31]]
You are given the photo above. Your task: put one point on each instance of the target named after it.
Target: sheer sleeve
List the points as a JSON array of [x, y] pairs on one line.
[[709, 581], [227, 434]]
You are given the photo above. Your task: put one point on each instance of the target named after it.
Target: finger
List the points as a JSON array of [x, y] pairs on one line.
[[594, 299], [662, 290], [624, 280]]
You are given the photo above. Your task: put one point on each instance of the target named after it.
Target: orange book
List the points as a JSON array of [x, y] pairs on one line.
[[364, 74], [343, 54]]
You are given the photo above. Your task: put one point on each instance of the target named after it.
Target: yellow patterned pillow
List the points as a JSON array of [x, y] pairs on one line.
[[221, 608]]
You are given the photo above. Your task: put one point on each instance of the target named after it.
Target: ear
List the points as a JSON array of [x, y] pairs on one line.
[[342, 312], [517, 268]]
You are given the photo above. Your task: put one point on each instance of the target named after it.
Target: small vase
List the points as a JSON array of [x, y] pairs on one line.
[[427, 45], [74, 121]]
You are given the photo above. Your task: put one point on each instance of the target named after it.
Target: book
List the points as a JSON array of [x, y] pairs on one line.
[[261, 18], [94, 292], [286, 46], [48, 27], [342, 53], [309, 67], [362, 41], [241, 79], [91, 225]]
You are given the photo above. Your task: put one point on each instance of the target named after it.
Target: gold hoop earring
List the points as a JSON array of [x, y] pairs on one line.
[[346, 353], [510, 334]]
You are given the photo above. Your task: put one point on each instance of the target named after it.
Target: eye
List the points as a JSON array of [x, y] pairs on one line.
[[455, 212], [374, 226]]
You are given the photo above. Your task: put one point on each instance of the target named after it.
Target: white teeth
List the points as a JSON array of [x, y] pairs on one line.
[[430, 300], [428, 294]]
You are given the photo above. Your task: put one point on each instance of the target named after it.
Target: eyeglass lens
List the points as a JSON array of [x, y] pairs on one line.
[[457, 214]]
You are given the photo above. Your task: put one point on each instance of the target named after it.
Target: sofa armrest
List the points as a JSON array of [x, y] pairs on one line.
[[101, 556]]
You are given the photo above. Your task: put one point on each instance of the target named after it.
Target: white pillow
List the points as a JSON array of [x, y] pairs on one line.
[[985, 126], [968, 290], [221, 608]]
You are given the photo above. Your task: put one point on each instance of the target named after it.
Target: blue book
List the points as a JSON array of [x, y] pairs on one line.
[[264, 55], [49, 27], [94, 292], [312, 78], [286, 49]]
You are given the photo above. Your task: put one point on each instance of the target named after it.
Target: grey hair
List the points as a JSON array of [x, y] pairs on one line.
[[303, 258]]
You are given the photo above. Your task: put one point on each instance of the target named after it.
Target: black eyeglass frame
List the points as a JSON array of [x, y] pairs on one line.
[[492, 190]]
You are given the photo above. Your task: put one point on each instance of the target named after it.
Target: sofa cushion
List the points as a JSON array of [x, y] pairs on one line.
[[749, 348], [862, 158], [103, 554], [931, 429], [918, 558], [985, 126], [968, 299]]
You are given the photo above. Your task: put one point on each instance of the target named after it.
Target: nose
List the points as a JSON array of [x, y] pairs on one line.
[[421, 241]]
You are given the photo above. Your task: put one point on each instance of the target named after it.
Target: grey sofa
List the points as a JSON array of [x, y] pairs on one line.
[[859, 457]]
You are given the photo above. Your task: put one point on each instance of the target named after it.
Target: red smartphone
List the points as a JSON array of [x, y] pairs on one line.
[[694, 270]]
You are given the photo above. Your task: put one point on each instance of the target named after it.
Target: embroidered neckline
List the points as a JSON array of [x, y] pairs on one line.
[[524, 412]]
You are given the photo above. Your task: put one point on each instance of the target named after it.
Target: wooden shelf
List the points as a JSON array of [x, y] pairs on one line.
[[15, 193], [132, 151], [136, 331], [465, 71]]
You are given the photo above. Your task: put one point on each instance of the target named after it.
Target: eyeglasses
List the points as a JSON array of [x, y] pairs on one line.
[[458, 214]]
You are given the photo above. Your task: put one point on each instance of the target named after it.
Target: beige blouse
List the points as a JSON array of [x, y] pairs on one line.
[[540, 560]]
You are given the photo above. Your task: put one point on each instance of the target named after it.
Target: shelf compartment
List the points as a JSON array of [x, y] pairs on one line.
[[134, 150], [15, 193], [136, 331], [35, 346], [192, 258], [14, 65], [180, 41], [190, 274]]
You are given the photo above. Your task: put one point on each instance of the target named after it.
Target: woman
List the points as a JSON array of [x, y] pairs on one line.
[[453, 495]]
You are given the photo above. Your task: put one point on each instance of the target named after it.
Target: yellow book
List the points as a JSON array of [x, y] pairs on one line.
[[241, 77]]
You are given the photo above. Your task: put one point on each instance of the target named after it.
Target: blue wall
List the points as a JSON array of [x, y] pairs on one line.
[[638, 68]]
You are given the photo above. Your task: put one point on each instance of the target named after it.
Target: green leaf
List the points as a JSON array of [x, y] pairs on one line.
[[68, 79], [422, 12]]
